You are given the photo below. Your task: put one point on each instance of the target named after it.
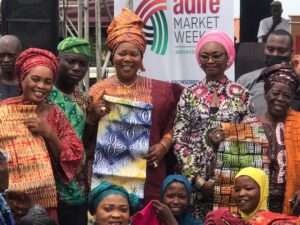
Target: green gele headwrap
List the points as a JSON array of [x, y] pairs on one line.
[[75, 45]]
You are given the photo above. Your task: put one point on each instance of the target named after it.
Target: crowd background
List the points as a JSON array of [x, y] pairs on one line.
[[134, 150]]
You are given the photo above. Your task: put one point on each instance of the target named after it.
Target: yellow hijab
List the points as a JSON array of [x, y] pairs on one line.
[[261, 178]]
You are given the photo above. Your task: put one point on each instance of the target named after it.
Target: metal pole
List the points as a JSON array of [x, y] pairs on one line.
[[130, 4], [79, 18], [98, 38], [86, 20], [86, 80], [62, 10], [106, 61]]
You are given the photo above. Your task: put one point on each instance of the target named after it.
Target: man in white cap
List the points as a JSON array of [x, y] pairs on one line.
[[274, 22]]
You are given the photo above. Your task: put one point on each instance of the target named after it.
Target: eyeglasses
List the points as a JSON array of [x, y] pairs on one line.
[[216, 57]]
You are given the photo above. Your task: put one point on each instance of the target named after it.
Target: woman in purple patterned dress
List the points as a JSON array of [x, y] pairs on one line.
[[202, 107]]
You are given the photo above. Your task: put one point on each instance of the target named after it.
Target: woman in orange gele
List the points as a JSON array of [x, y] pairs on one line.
[[127, 42]]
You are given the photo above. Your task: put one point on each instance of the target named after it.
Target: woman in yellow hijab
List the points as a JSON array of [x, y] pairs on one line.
[[251, 191]]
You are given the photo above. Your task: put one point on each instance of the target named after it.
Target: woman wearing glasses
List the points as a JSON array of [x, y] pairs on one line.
[[200, 110]]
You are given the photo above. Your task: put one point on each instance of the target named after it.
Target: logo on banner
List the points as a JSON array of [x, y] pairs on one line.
[[152, 12]]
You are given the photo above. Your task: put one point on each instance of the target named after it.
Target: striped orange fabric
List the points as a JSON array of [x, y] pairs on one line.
[[30, 169], [292, 144], [140, 90]]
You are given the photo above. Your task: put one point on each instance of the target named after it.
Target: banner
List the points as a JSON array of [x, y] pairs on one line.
[[172, 29]]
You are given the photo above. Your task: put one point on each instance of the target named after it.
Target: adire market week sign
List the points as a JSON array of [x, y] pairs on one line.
[[191, 19], [172, 29]]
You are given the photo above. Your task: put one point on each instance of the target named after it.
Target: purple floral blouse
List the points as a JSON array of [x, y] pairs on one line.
[[195, 118]]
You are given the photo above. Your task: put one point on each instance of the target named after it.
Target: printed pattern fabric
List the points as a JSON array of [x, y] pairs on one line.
[[277, 154], [30, 168], [271, 218], [245, 145], [122, 141], [292, 146], [194, 119], [73, 107], [139, 91], [164, 97]]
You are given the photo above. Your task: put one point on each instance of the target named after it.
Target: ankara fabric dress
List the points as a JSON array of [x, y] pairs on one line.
[[163, 97], [122, 142], [70, 155], [245, 145], [194, 119]]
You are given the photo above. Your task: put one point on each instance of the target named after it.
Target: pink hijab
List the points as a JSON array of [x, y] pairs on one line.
[[221, 38]]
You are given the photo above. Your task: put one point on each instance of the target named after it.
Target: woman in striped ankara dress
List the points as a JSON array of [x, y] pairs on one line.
[[38, 137]]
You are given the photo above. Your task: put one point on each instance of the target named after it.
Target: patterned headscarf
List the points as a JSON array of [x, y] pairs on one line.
[[223, 216], [74, 45], [126, 27], [105, 189], [33, 57], [262, 180], [221, 38], [280, 73]]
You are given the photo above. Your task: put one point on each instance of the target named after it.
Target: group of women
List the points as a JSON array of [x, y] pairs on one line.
[[149, 117]]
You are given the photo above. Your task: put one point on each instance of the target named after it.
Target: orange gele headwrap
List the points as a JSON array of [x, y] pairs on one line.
[[126, 27]]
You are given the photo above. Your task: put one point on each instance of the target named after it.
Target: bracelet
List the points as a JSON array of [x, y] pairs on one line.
[[166, 142], [164, 145]]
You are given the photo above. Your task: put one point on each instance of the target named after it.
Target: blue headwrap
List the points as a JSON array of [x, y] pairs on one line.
[[186, 218], [175, 178], [105, 189]]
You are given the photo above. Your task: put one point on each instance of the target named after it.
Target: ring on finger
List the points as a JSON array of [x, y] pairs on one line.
[[103, 109]]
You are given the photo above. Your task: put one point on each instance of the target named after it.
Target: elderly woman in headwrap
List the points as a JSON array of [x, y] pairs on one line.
[[112, 204], [202, 107], [281, 124], [40, 136], [127, 42]]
